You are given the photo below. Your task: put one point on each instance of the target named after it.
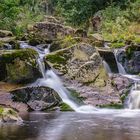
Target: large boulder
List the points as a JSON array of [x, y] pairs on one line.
[[37, 98], [19, 66], [79, 62], [48, 30]]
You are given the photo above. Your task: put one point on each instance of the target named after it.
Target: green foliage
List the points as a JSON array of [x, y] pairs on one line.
[[78, 12], [121, 24], [15, 15]]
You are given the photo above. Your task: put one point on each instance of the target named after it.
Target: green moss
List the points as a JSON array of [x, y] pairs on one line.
[[8, 56], [65, 107], [137, 40], [76, 96], [55, 58], [113, 106], [117, 45], [1, 110], [59, 57], [68, 41]]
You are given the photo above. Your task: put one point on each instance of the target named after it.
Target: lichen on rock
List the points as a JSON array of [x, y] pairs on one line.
[[18, 66]]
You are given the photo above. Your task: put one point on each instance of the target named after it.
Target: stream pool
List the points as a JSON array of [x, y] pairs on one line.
[[113, 125]]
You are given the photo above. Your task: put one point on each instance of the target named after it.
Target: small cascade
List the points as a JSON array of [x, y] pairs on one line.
[[134, 97], [42, 51], [120, 67], [106, 66]]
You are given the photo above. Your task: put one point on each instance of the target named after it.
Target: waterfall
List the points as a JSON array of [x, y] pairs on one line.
[[120, 67], [52, 80], [134, 97], [106, 66]]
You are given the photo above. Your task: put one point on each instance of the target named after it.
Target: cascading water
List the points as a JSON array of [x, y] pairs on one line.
[[106, 66], [50, 79], [134, 97], [120, 67]]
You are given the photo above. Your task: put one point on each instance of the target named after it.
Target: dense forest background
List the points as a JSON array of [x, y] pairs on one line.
[[119, 18]]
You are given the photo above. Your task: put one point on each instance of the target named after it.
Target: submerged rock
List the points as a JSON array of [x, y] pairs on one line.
[[19, 66], [37, 98]]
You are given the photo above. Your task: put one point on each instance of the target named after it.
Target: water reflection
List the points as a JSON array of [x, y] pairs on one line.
[[73, 126]]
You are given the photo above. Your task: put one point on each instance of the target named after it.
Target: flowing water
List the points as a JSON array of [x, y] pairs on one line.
[[133, 101], [120, 67], [106, 66]]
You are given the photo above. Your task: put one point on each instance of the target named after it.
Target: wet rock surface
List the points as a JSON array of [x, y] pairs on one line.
[[94, 96], [130, 59], [37, 98], [7, 101]]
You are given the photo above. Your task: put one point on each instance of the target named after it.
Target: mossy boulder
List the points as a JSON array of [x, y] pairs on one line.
[[19, 66], [9, 115], [80, 62]]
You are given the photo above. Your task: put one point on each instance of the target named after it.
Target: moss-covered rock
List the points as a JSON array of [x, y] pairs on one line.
[[19, 66], [80, 62], [65, 107]]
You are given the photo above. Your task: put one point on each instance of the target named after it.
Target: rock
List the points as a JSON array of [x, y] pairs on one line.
[[130, 59], [7, 101], [7, 39], [8, 86], [95, 96], [19, 66], [5, 33], [97, 39], [37, 98], [122, 84], [9, 115], [80, 62], [50, 29], [108, 56]]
